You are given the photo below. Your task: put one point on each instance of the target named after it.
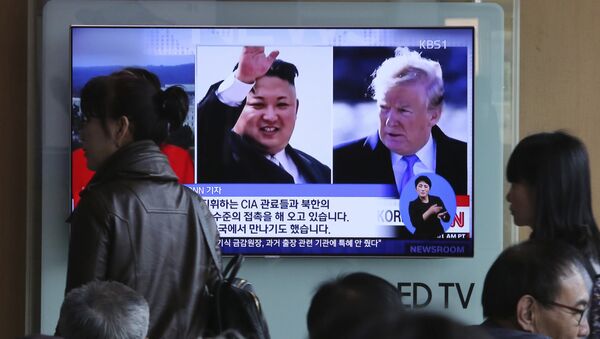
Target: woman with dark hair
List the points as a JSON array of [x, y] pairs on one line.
[[176, 150], [135, 223], [427, 210], [180, 139], [550, 192]]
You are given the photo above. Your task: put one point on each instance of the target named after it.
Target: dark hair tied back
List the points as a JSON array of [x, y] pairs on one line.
[[136, 94], [173, 106]]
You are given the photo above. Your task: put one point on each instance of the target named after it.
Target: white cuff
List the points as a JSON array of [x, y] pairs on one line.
[[232, 92]]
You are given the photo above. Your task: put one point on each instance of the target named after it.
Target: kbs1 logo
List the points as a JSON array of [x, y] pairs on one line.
[[432, 44]]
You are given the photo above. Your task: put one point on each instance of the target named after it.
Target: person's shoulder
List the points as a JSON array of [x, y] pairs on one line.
[[504, 333], [434, 198], [210, 99], [212, 89], [441, 138], [193, 194], [95, 198], [498, 332], [352, 146], [310, 160]]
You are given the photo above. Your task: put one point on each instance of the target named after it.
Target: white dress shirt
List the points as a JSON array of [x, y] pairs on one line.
[[426, 162], [283, 160], [232, 92]]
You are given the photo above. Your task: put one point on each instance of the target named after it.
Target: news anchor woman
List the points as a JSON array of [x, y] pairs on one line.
[[426, 211], [135, 223], [550, 191]]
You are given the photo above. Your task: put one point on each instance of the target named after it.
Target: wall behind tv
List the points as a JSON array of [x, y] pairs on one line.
[[560, 74]]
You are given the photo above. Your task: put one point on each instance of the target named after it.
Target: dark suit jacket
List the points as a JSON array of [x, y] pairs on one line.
[[368, 161], [497, 332], [226, 157]]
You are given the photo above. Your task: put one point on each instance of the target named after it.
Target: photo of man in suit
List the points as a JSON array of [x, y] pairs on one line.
[[409, 90], [245, 122]]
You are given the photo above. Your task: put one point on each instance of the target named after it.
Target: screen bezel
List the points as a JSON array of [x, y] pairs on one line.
[[471, 149]]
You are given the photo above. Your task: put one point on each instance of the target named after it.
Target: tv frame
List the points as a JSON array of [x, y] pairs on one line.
[[337, 38], [302, 273]]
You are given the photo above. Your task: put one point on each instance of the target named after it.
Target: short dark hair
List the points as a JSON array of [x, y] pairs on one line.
[[341, 304], [416, 325], [424, 179], [281, 69], [556, 167], [103, 310], [534, 267], [151, 111]]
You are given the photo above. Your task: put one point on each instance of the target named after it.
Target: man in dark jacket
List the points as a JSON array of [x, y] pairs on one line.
[[136, 225], [409, 90], [245, 124], [538, 290]]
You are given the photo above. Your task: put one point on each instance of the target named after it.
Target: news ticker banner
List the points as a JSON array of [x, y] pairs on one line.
[[325, 219]]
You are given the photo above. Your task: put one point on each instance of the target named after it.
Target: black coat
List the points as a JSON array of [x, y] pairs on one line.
[[497, 332], [368, 161], [136, 225], [432, 226], [226, 157]]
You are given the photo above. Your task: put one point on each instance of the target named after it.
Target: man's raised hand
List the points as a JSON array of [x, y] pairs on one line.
[[254, 63]]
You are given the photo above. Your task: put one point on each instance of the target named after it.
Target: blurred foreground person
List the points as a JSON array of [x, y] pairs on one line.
[[537, 289], [416, 325], [342, 305], [104, 310]]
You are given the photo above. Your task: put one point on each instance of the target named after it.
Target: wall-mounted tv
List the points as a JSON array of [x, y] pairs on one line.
[[366, 151]]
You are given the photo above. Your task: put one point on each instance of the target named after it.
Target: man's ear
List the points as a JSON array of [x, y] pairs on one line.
[[123, 134], [434, 115], [297, 105], [526, 313]]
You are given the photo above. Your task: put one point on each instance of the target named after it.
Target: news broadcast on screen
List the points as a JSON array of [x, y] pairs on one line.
[[310, 141]]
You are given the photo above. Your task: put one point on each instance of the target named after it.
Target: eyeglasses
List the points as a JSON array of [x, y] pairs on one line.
[[581, 312]]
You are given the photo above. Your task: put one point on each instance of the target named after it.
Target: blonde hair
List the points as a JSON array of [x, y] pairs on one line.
[[409, 67]]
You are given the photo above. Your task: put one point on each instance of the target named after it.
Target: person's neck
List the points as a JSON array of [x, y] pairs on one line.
[[424, 199], [275, 152]]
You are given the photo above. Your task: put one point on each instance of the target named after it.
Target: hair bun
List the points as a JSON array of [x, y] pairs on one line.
[[173, 103]]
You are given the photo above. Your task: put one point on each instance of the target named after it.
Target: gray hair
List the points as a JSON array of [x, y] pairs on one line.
[[104, 310], [408, 67]]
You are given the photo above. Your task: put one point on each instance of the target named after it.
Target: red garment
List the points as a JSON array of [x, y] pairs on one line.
[[80, 174], [181, 162], [179, 159]]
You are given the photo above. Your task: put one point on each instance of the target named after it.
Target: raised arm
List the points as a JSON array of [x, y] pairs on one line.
[[254, 63]]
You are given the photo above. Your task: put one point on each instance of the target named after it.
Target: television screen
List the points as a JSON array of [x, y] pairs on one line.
[[310, 141]]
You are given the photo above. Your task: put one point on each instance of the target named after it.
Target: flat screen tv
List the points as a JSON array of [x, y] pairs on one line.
[[360, 156]]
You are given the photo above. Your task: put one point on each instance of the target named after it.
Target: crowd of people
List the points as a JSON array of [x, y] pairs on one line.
[[135, 272]]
